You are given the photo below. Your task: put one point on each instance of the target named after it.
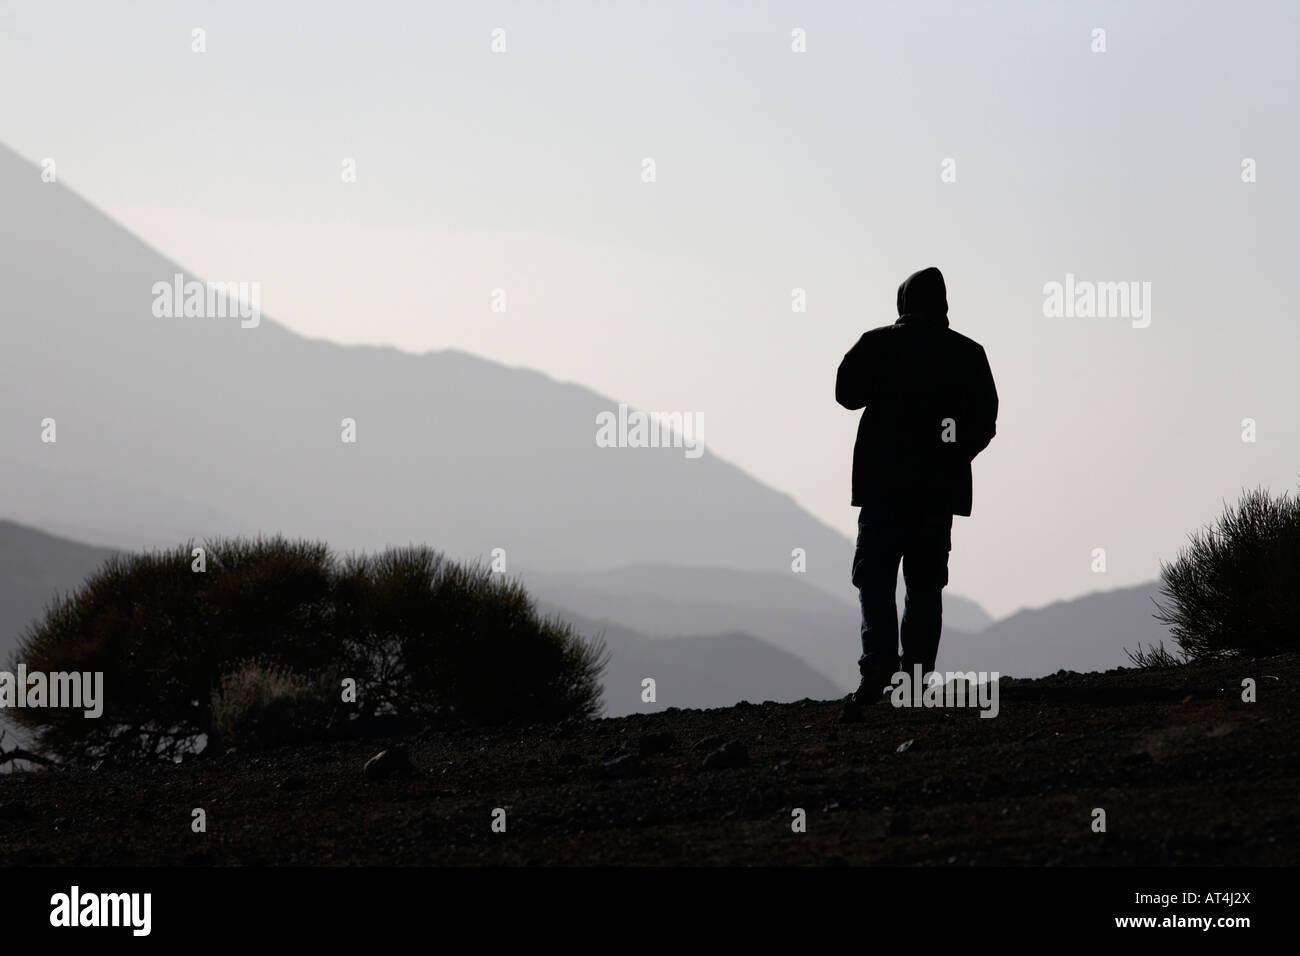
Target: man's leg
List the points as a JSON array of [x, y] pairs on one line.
[[875, 574], [925, 573]]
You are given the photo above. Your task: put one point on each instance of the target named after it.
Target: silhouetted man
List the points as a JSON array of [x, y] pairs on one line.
[[929, 407]]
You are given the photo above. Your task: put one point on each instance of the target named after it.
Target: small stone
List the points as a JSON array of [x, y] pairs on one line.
[[620, 768], [732, 754], [295, 781], [387, 763]]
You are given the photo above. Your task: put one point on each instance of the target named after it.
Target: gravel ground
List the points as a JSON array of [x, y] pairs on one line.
[[1185, 771]]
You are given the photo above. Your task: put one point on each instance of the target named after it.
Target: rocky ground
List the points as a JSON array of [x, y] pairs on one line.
[[1186, 772]]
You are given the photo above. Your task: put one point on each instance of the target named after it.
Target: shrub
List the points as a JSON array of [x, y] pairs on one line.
[[420, 634], [1235, 589]]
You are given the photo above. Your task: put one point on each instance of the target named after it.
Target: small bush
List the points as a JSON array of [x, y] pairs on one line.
[[1155, 657], [264, 705], [1235, 589]]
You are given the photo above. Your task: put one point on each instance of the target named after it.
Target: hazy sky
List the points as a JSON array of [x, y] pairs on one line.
[[776, 170]]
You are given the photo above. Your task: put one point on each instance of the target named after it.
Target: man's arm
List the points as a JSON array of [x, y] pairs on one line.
[[983, 417], [853, 380]]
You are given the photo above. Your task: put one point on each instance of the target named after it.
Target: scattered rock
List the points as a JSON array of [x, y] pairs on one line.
[[709, 743], [295, 781], [731, 754], [653, 744], [387, 763]]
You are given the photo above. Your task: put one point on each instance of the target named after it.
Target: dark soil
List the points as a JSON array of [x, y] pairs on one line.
[[1186, 773]]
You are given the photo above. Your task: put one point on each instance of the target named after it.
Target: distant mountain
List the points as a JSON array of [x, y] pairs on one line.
[[1088, 633], [38, 494], [716, 670], [171, 428], [34, 568]]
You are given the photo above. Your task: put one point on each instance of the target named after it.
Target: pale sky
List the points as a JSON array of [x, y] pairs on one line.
[[775, 170]]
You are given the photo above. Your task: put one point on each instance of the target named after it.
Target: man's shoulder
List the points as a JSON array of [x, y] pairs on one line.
[[881, 333], [893, 332], [963, 342]]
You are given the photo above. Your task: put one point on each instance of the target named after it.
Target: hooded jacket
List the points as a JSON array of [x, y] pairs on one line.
[[929, 406]]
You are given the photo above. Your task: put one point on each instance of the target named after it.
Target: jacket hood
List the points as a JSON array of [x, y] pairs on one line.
[[923, 295]]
